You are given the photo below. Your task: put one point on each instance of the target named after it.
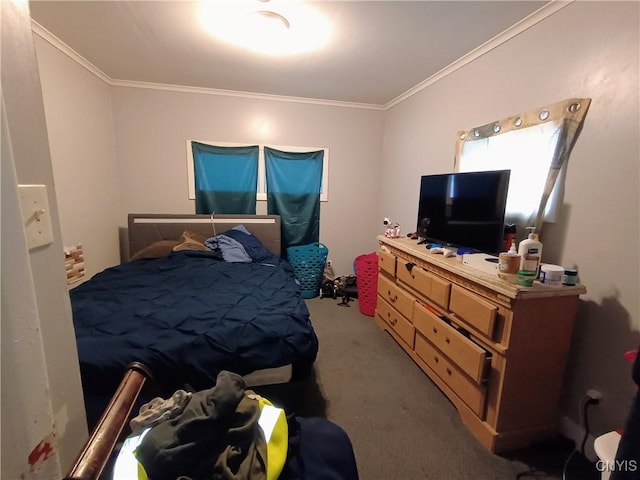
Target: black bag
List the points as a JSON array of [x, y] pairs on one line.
[[328, 289], [345, 286]]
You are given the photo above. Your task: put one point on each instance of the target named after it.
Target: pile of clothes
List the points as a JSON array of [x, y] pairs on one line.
[[230, 432]]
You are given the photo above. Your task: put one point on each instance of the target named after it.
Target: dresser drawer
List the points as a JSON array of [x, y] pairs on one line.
[[397, 322], [414, 276], [387, 262], [424, 282], [468, 356], [469, 392], [395, 296], [440, 291], [473, 310]]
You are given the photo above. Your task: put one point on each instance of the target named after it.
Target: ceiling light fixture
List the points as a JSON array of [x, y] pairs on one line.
[[270, 16], [285, 28]]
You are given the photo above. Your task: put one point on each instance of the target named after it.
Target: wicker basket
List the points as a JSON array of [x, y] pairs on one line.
[[308, 262], [367, 281]]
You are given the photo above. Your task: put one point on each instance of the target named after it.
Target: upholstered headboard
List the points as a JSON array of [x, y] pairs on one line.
[[145, 229]]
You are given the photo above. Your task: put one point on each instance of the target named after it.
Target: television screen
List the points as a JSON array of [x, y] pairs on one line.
[[464, 209]]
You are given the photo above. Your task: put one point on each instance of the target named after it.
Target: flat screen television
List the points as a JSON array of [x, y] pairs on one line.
[[464, 209]]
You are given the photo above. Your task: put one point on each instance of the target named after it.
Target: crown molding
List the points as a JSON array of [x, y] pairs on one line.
[[68, 51], [533, 19], [75, 56], [516, 29], [240, 94]]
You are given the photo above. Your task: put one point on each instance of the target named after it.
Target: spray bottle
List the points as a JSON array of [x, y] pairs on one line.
[[530, 251]]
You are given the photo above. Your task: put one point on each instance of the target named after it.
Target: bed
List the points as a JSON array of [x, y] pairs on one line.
[[188, 312]]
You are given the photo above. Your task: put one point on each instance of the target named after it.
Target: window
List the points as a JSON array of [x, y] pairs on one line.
[[535, 146], [262, 185]]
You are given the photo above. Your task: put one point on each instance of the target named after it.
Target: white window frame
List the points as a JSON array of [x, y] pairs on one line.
[[262, 183]]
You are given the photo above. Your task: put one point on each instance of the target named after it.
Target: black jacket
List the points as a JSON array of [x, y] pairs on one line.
[[216, 437]]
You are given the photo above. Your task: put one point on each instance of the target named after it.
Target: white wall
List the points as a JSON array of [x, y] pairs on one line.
[[152, 127], [587, 49], [41, 393], [79, 120]]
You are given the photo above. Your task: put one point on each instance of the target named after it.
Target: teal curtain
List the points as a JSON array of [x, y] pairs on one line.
[[294, 183], [226, 179]]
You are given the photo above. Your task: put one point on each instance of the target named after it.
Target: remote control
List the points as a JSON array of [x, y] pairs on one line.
[[449, 252]]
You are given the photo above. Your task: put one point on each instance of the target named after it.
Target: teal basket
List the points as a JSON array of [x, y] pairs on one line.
[[308, 262]]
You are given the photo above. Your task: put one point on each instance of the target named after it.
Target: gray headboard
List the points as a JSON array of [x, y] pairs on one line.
[[146, 228]]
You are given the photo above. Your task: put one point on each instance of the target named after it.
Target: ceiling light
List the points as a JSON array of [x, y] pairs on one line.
[[284, 28], [268, 16]]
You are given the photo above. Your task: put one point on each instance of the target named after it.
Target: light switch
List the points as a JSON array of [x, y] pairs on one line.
[[36, 216]]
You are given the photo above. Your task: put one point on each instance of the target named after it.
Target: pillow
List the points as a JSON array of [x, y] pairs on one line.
[[191, 241], [189, 244], [159, 249], [187, 235]]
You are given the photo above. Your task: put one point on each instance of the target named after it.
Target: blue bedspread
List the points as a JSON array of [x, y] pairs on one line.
[[187, 317]]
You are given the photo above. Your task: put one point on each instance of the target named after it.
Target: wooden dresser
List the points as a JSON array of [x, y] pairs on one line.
[[496, 350]]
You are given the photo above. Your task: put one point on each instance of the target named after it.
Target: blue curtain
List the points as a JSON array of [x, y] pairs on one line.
[[226, 179], [294, 182]]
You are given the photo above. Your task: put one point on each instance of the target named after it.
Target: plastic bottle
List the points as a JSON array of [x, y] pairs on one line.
[[509, 235], [530, 251], [509, 264]]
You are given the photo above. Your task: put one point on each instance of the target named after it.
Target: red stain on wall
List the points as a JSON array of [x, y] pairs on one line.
[[40, 453]]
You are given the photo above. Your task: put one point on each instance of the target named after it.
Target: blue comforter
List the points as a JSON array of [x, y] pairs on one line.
[[187, 317]]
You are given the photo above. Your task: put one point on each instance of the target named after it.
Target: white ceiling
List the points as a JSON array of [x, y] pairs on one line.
[[380, 49]]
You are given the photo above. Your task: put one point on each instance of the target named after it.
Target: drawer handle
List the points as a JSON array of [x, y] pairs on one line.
[[447, 339], [393, 299], [436, 358], [435, 330], [393, 322], [449, 372]]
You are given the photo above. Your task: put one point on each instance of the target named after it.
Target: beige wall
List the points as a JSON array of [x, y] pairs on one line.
[[81, 138], [587, 49], [118, 150], [152, 127]]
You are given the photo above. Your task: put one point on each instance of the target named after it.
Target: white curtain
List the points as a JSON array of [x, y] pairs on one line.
[[535, 146]]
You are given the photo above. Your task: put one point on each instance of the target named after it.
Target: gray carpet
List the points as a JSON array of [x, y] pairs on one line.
[[401, 425]]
